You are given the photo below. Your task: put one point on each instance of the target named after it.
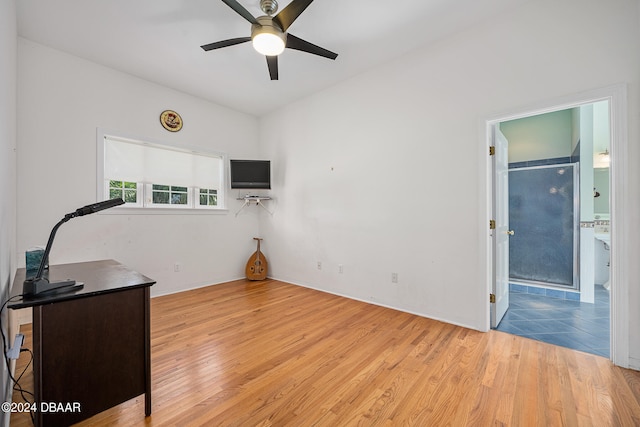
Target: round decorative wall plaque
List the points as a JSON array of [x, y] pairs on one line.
[[171, 120]]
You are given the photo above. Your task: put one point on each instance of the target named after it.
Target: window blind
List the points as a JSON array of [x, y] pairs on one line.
[[133, 161]]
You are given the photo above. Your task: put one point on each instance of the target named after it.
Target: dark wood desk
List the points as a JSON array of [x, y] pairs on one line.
[[91, 348]]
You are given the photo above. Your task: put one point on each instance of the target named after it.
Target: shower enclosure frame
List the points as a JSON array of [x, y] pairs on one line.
[[575, 286]]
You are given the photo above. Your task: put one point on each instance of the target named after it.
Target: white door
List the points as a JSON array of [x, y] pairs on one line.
[[501, 232]]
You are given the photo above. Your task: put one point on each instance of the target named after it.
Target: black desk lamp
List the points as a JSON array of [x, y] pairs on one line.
[[37, 286]]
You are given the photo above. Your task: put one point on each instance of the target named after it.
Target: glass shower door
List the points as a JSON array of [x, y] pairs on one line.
[[543, 211]]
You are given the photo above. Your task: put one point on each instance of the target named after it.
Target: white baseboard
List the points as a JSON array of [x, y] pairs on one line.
[[377, 303]]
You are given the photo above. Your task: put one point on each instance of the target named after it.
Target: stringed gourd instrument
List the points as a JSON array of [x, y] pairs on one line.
[[257, 264]]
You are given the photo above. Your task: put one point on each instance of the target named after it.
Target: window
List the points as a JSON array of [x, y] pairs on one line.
[[152, 175], [127, 191], [208, 197], [169, 195]]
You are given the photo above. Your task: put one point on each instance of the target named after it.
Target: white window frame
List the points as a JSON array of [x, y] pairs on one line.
[[139, 193], [148, 197], [196, 198], [144, 203]]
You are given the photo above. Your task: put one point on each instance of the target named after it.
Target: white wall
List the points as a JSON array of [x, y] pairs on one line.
[[62, 99], [587, 241], [380, 173], [587, 125], [8, 65]]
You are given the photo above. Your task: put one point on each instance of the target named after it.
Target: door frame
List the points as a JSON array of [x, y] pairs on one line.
[[617, 97]]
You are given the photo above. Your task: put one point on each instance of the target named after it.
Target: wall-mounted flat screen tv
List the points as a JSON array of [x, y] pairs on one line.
[[250, 174]]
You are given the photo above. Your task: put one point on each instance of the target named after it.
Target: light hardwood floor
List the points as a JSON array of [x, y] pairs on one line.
[[273, 354]]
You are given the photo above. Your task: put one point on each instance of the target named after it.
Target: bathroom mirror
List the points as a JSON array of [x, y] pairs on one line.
[[601, 185]]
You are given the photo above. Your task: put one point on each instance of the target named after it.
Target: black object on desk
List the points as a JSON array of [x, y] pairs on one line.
[[91, 348], [40, 285]]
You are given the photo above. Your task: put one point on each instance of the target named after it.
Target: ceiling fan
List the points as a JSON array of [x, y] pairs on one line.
[[268, 33]]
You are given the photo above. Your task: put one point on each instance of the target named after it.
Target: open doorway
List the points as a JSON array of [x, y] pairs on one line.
[[554, 296], [592, 221]]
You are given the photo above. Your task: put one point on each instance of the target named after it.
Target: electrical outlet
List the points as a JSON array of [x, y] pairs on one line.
[[394, 277], [319, 265], [14, 352], [340, 269], [177, 267]]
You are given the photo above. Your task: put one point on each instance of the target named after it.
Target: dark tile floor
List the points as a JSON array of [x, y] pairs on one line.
[[572, 324]]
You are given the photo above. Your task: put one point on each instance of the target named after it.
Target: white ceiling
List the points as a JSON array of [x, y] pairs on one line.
[[159, 40]]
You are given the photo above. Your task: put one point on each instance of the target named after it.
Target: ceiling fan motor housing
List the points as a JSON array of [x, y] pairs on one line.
[[269, 6]]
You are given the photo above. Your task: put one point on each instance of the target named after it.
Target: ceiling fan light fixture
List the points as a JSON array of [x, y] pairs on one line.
[[268, 44], [267, 38]]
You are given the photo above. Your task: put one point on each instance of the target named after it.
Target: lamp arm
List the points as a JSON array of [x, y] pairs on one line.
[[40, 286], [45, 256]]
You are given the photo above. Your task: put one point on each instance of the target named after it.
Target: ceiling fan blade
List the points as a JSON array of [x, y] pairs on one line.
[[233, 4], [272, 63], [225, 43], [290, 13], [296, 43]]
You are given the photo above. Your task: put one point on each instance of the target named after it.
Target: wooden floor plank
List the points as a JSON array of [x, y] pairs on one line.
[[270, 353]]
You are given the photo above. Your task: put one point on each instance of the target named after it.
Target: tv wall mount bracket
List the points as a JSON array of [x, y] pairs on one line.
[[248, 200]]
